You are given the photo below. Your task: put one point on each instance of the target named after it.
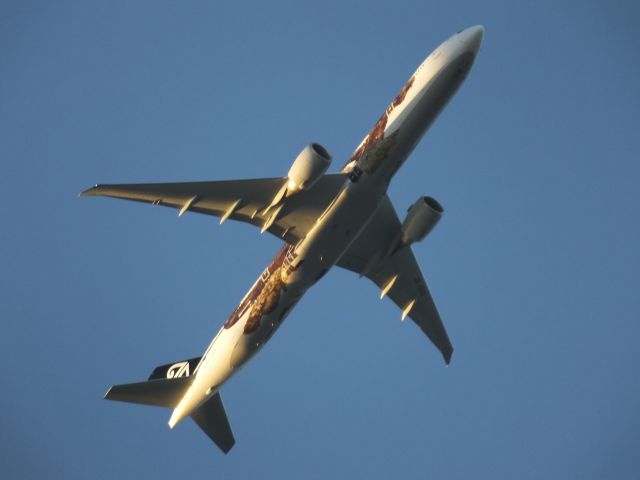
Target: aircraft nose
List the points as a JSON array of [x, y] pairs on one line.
[[473, 36]]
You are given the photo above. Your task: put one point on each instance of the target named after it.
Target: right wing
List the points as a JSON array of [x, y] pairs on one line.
[[241, 200], [398, 274]]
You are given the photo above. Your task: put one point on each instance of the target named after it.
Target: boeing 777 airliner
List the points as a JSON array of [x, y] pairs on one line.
[[343, 219]]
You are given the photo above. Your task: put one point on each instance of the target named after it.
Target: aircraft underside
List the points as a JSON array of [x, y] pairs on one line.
[[343, 219]]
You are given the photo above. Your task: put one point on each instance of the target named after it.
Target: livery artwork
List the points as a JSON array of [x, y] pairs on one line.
[[375, 148], [264, 296]]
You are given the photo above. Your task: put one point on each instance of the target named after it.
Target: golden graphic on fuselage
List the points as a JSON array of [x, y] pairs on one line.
[[375, 148], [378, 153], [266, 292], [266, 302]]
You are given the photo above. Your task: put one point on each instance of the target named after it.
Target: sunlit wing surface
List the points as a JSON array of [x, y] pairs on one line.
[[409, 290], [242, 200]]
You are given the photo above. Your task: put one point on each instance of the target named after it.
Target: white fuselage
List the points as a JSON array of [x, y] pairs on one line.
[[370, 169]]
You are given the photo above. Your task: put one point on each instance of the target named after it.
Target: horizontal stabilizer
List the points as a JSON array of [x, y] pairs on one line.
[[161, 393], [212, 419]]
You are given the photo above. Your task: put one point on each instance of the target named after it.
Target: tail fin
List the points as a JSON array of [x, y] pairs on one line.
[[184, 368], [166, 386]]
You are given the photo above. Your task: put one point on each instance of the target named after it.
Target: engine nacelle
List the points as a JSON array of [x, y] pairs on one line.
[[308, 167], [421, 217]]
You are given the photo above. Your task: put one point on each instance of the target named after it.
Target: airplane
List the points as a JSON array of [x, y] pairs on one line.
[[325, 219]]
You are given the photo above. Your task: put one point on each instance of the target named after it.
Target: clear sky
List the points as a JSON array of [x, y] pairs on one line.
[[534, 266]]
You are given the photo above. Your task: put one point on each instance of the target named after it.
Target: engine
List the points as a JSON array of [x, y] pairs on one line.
[[308, 167], [421, 217]]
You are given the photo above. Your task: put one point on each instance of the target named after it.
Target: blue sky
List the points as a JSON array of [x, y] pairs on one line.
[[534, 267]]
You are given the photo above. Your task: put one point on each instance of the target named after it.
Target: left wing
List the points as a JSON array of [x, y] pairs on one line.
[[243, 200], [398, 275]]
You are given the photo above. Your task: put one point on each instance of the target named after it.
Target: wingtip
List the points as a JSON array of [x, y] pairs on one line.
[[227, 448], [106, 395], [89, 191], [447, 357]]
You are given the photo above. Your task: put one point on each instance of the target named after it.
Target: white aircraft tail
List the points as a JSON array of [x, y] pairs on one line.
[[166, 387]]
